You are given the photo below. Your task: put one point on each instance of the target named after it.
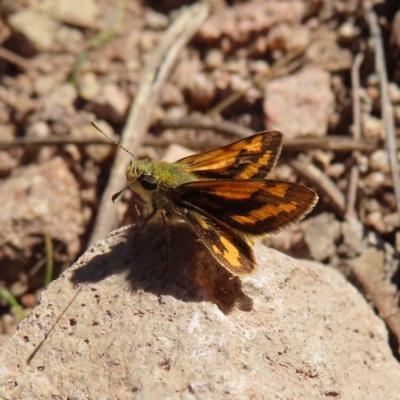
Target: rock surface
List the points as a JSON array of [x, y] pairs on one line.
[[38, 200], [129, 328], [299, 104]]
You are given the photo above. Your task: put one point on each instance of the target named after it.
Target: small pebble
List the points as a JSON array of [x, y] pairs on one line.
[[374, 180], [379, 161]]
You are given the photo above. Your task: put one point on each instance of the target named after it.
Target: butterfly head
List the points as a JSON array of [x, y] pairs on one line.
[[141, 179], [140, 173]]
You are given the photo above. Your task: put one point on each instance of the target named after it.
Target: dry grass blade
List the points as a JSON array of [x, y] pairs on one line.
[[354, 173]]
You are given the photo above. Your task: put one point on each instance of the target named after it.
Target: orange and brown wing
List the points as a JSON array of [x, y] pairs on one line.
[[250, 158], [252, 207], [230, 249]]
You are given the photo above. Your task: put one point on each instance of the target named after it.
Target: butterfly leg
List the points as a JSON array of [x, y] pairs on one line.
[[137, 214], [152, 214], [163, 214]]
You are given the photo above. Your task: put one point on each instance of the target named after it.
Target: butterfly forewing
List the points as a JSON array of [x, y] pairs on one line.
[[250, 158], [230, 249], [252, 207]]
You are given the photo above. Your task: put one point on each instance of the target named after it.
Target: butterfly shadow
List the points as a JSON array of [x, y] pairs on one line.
[[191, 275]]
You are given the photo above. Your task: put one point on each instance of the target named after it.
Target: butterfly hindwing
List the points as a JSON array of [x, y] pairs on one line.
[[230, 249], [250, 158], [253, 207]]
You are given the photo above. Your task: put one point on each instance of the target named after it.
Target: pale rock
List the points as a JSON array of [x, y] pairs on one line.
[[372, 127], [283, 172], [391, 221], [374, 180], [111, 104], [397, 241], [176, 152], [149, 40], [7, 132], [171, 95], [83, 13], [258, 66], [327, 54], [214, 59], [155, 21], [38, 129], [348, 31], [202, 90], [60, 101], [379, 161], [38, 200], [396, 112], [287, 37], [374, 219], [38, 28], [44, 84], [394, 93], [239, 22], [222, 79], [176, 112], [70, 38], [135, 330], [321, 235], [7, 162], [353, 233], [89, 86], [239, 84], [4, 111], [373, 80], [299, 104], [335, 170], [371, 204], [237, 66]]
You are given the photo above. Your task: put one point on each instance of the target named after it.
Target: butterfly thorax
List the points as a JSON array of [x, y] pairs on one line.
[[155, 181]]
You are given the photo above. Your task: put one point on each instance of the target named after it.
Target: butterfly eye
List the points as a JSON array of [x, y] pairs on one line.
[[149, 182]]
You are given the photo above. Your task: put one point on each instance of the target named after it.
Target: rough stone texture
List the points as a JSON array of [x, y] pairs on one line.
[[321, 234], [133, 330], [38, 200], [38, 28], [327, 54], [83, 13], [240, 21], [299, 104], [111, 103]]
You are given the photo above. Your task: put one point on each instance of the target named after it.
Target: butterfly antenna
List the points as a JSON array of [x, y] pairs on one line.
[[112, 140]]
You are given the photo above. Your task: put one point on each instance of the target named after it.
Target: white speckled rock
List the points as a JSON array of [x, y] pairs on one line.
[[294, 330]]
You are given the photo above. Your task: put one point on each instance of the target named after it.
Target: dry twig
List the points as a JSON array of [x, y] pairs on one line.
[[15, 59], [328, 143], [203, 122], [154, 75], [354, 172], [331, 142], [386, 105]]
